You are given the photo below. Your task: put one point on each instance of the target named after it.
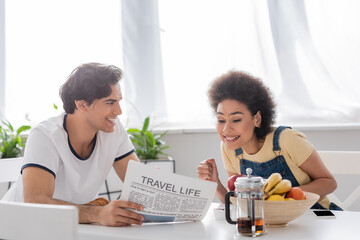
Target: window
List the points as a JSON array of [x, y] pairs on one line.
[[45, 41], [202, 40], [305, 51]]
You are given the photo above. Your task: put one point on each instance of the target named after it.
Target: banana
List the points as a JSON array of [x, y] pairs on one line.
[[282, 187], [272, 181], [276, 185]]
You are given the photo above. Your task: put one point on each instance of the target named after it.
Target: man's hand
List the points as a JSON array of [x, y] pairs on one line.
[[118, 213]]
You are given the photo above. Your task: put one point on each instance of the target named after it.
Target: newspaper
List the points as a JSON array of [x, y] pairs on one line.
[[167, 197]]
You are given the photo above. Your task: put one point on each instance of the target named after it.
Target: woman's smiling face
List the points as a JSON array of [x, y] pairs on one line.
[[236, 124]]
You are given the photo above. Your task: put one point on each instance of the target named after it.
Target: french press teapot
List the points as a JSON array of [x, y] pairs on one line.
[[249, 195]]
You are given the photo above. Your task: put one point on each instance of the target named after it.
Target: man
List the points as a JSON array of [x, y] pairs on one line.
[[68, 157]]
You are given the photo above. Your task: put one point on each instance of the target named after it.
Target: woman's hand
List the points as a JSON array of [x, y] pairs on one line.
[[117, 213], [207, 170]]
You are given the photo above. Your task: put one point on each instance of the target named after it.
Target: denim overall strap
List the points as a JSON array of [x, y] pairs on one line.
[[238, 151], [265, 169], [239, 155], [276, 145], [332, 206], [276, 142], [277, 164]]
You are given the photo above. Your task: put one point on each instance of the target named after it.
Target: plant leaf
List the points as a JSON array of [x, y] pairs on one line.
[[150, 139], [148, 145], [133, 130], [163, 133], [160, 142], [136, 142], [19, 140], [162, 153], [8, 124], [146, 124], [22, 128]]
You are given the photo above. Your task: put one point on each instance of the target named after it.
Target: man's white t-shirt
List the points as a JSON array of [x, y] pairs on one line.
[[77, 180]]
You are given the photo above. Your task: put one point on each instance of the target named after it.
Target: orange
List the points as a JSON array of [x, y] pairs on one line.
[[296, 193]]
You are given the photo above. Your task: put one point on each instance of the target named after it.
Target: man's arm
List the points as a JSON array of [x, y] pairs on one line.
[[120, 166], [39, 187]]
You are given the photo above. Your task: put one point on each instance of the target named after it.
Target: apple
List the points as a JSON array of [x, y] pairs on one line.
[[295, 193], [231, 181]]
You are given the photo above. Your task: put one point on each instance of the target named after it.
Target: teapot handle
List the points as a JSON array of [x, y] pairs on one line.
[[227, 207]]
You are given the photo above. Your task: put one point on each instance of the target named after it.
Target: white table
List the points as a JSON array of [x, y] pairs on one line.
[[345, 226]]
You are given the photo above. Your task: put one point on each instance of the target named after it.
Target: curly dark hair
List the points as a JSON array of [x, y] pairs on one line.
[[88, 82], [246, 89]]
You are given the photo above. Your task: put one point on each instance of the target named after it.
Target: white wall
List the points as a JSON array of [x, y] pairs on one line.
[[189, 148]]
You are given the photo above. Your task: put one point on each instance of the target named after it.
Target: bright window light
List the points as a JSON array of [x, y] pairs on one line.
[[45, 41]]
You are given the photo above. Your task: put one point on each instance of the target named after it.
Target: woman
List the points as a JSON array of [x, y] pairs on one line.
[[245, 114]]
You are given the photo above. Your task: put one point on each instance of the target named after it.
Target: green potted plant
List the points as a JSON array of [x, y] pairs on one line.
[[11, 142], [148, 145]]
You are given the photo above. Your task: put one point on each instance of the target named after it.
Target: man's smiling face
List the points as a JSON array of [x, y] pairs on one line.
[[103, 112]]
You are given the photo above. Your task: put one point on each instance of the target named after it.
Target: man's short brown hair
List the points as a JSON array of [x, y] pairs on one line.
[[88, 82]]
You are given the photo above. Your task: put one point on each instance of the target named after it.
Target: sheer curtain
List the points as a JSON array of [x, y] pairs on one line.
[[45, 41], [144, 93], [305, 51], [2, 58], [311, 59]]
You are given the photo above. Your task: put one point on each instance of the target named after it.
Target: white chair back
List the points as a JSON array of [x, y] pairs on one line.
[[10, 169], [343, 163], [38, 221]]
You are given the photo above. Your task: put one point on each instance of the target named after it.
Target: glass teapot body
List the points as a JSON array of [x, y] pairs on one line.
[[249, 196]]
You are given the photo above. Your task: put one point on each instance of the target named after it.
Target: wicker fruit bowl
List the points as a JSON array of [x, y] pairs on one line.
[[279, 213]]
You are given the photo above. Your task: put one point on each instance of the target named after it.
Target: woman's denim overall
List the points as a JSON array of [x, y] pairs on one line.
[[277, 164]]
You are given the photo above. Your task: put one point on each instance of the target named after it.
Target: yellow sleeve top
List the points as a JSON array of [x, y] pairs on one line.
[[295, 148]]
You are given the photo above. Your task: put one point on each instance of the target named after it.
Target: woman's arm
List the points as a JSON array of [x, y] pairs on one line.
[[207, 170], [323, 182]]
